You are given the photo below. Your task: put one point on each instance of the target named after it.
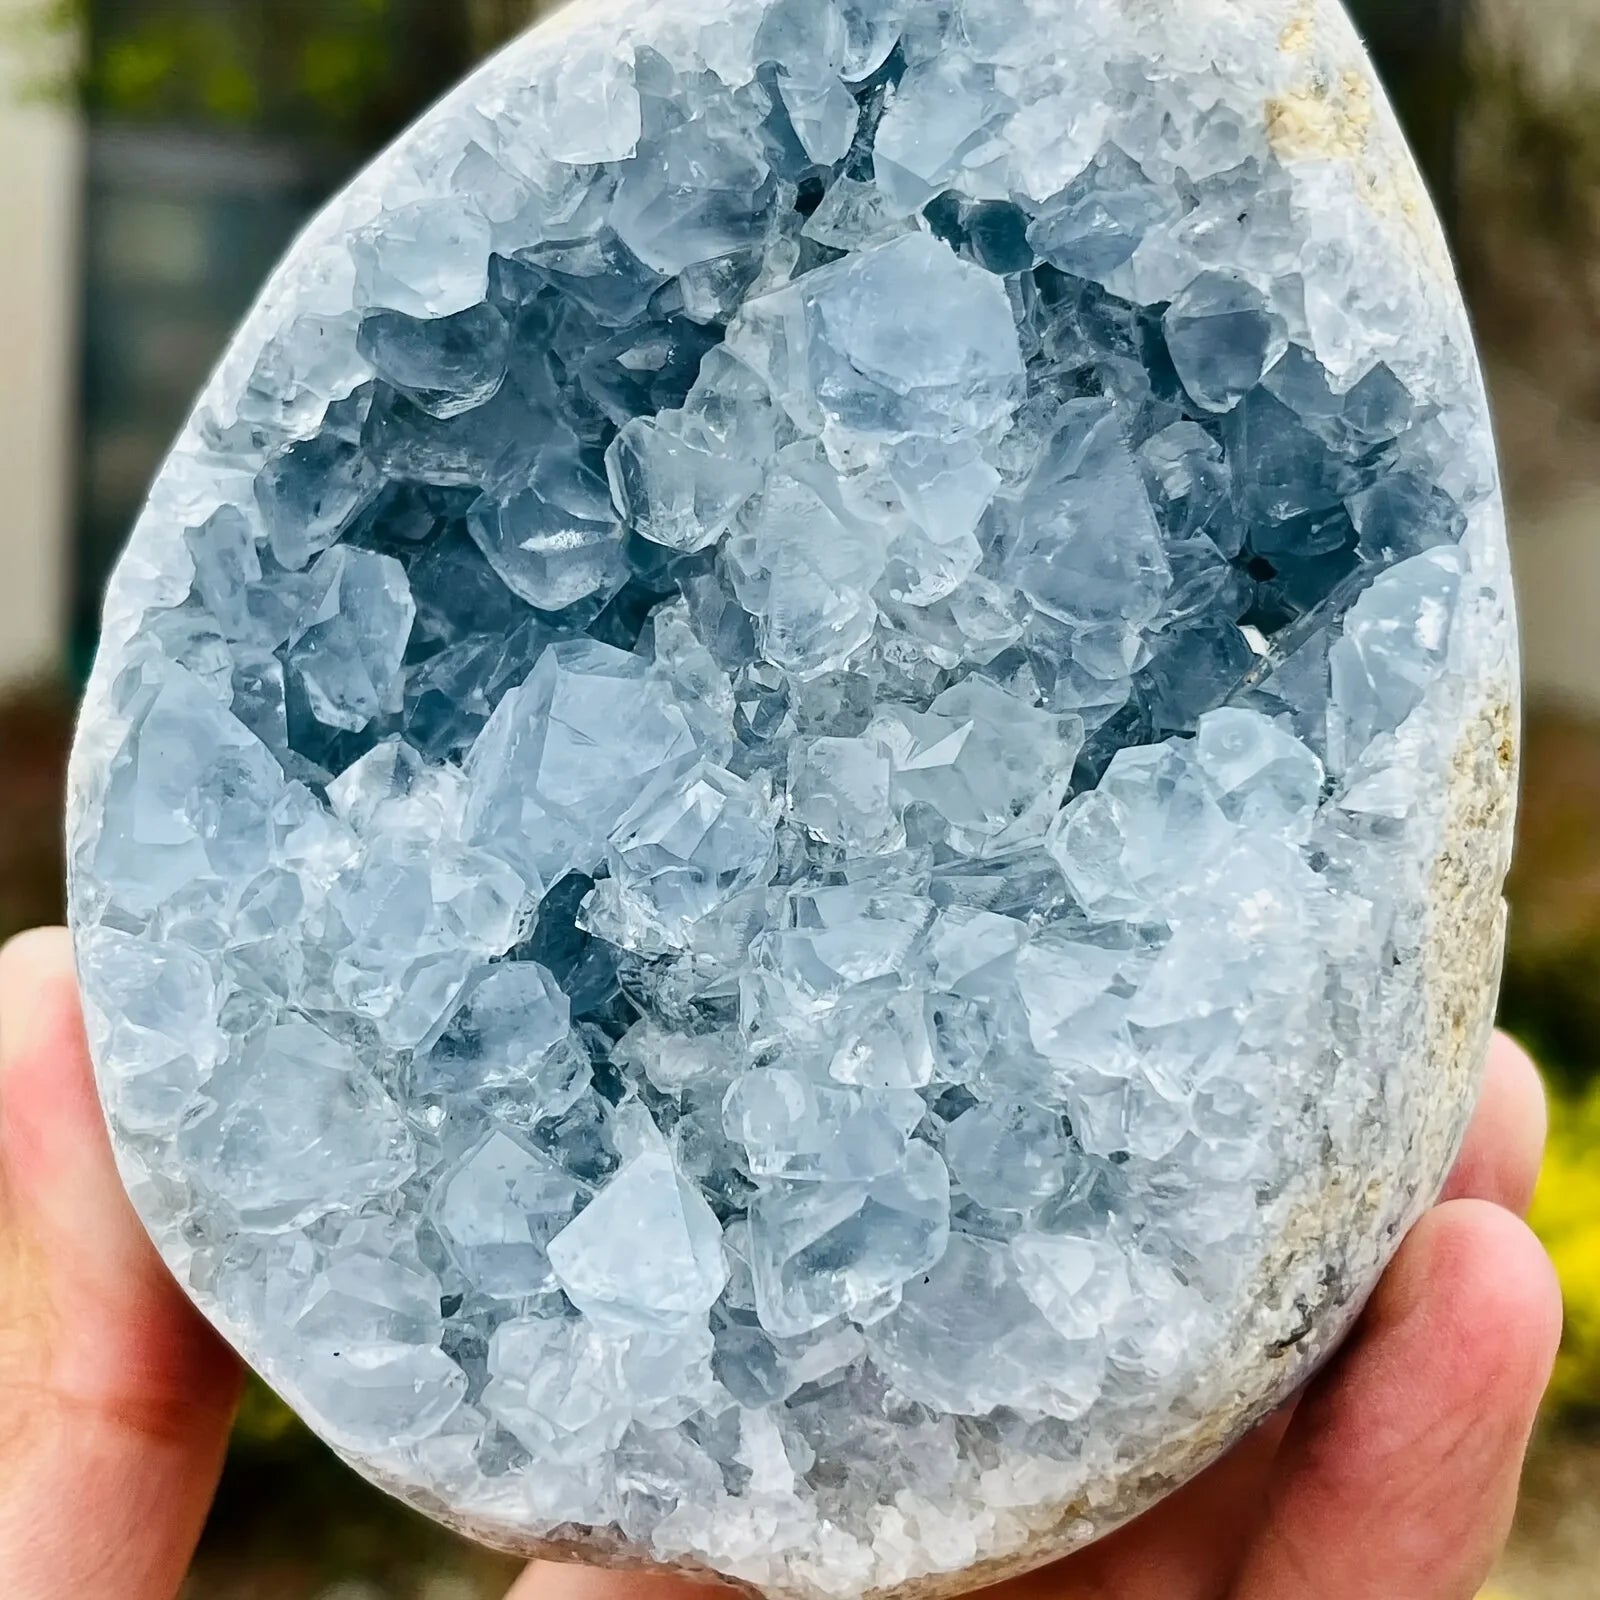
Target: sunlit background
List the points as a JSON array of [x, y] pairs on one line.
[[157, 155]]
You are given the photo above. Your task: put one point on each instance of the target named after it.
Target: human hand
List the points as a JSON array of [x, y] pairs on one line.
[[1394, 1476]]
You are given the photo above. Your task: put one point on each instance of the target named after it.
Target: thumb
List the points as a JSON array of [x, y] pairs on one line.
[[115, 1398]]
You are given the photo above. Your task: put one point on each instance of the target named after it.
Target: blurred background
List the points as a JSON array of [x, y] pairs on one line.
[[156, 156]]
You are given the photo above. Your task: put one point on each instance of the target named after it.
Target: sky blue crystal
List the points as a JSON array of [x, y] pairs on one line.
[[761, 829], [820, 1251], [686, 848], [509, 1030], [553, 772], [1223, 339], [647, 1253], [345, 649], [447, 365], [1009, 1156], [1100, 219], [497, 1213], [324, 1132], [358, 1324]]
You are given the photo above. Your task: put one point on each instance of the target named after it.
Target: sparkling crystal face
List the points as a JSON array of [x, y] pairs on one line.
[[763, 810]]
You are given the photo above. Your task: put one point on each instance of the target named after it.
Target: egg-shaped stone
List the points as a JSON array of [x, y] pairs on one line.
[[786, 852]]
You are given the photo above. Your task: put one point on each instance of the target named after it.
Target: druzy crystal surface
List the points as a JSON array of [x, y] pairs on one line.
[[786, 851]]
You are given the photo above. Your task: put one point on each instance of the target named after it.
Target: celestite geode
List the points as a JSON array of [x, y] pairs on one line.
[[786, 852]]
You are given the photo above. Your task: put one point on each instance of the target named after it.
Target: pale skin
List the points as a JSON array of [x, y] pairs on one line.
[[1394, 1477]]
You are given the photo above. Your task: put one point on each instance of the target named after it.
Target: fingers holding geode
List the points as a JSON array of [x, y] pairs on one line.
[[114, 1395], [52, 1137], [1400, 1473], [563, 1580], [1504, 1146], [63, 1186], [1187, 1548]]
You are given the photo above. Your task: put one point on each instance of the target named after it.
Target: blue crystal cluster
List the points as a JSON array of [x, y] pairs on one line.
[[729, 840]]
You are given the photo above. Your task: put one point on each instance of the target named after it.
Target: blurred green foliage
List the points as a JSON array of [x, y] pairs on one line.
[[346, 71], [1566, 1215], [1551, 1001]]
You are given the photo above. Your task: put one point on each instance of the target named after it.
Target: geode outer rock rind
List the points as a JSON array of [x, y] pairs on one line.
[[786, 852]]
